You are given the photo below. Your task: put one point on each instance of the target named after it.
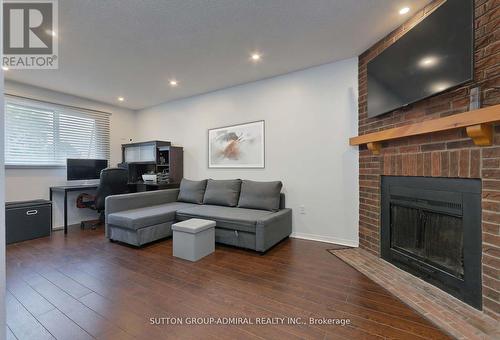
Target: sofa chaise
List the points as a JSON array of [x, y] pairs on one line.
[[248, 214]]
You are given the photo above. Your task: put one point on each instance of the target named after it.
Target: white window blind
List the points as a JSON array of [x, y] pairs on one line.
[[43, 134]]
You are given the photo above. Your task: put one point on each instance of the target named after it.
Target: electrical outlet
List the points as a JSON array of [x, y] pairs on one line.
[[302, 210]]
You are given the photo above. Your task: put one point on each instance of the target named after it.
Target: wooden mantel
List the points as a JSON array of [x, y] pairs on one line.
[[478, 123]]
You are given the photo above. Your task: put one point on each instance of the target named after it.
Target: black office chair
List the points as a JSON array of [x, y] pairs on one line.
[[113, 181]]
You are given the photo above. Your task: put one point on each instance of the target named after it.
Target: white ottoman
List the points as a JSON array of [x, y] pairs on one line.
[[193, 239]]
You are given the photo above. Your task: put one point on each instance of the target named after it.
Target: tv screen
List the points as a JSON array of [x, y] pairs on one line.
[[83, 169], [435, 55]]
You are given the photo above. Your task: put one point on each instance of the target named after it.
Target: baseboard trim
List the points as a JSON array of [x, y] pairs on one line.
[[327, 239]]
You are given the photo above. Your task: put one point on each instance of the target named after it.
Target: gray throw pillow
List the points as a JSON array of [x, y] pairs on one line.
[[222, 192], [192, 191], [260, 195]]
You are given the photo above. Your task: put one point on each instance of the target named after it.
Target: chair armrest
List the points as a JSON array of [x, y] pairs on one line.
[[137, 200], [273, 228]]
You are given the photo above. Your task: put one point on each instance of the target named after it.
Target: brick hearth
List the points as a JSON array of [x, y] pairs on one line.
[[444, 154], [452, 315]]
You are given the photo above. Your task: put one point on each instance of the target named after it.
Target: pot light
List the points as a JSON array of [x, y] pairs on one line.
[[404, 10], [121, 99], [5, 68], [173, 83], [255, 57]]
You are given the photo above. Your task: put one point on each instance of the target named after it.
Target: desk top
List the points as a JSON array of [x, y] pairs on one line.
[[74, 187], [78, 187]]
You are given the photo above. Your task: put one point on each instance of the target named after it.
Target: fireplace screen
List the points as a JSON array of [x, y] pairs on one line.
[[431, 227], [434, 238]]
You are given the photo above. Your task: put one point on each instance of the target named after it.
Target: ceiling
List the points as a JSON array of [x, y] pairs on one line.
[[132, 48]]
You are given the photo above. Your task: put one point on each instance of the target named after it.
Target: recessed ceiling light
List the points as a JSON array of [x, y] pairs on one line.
[[173, 83], [121, 99], [404, 10], [428, 61], [5, 68], [256, 57]]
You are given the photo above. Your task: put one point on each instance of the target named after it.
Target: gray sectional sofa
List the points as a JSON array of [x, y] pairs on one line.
[[248, 214]]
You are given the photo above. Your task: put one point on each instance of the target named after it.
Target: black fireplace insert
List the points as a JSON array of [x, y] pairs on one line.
[[431, 227]]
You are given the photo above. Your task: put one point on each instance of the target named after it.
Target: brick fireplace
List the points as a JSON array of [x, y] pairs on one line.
[[450, 154]]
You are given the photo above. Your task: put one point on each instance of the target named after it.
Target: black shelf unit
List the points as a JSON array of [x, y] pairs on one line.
[[156, 156]]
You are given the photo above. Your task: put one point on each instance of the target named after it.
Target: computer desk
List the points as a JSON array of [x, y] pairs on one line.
[[65, 189]]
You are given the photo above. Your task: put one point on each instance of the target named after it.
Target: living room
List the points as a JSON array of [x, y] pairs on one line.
[[246, 169]]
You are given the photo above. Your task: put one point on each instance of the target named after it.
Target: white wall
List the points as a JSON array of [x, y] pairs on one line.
[[309, 116], [27, 184]]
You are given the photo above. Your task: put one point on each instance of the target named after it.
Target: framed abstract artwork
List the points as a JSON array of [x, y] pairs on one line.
[[237, 146]]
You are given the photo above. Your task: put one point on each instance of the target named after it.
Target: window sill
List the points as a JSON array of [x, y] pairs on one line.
[[19, 166]]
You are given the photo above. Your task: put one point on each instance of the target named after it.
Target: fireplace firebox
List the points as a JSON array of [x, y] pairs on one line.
[[431, 227]]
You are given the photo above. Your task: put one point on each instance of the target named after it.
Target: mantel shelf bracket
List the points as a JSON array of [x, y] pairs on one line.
[[481, 134], [374, 147]]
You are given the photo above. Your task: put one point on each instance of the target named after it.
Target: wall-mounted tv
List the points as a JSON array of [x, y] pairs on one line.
[[432, 57]]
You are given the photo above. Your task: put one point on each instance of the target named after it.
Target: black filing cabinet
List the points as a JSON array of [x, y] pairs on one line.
[[27, 220]]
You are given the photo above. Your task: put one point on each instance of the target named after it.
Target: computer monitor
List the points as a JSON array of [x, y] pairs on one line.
[[84, 169]]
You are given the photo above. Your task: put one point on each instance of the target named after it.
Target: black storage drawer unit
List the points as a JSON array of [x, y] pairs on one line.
[[27, 220]]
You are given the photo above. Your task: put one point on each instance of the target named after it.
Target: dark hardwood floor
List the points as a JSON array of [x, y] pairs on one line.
[[81, 286]]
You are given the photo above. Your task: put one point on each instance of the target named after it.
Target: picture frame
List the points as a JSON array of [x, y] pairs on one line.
[[237, 146]]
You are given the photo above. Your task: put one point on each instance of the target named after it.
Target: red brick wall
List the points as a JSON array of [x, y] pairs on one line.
[[445, 154]]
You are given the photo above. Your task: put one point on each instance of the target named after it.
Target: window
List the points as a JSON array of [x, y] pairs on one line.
[[43, 134]]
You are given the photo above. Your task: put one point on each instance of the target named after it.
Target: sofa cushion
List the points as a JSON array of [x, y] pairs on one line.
[[225, 217], [222, 192], [260, 195], [148, 216], [192, 191]]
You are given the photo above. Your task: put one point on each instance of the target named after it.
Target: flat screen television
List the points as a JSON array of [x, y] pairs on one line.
[[432, 57], [84, 169]]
